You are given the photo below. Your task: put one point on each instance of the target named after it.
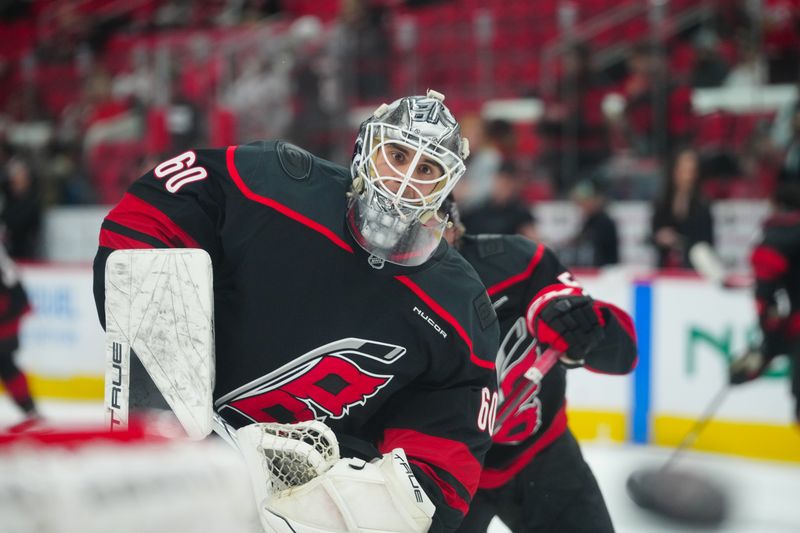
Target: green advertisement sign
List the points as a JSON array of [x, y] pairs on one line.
[[720, 344]]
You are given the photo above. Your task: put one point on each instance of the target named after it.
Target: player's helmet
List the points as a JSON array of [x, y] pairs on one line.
[[393, 212]]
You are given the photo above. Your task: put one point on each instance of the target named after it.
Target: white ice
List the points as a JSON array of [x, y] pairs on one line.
[[764, 494]]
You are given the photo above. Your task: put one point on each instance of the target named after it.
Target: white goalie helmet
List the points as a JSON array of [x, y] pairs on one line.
[[408, 157]]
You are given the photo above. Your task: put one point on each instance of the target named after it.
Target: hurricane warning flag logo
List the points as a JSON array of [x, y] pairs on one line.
[[323, 383]]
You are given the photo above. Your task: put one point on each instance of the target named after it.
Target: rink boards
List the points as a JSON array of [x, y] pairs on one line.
[[688, 332]]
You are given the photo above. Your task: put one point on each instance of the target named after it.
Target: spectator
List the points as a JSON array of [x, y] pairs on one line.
[[259, 96], [781, 42], [98, 116], [682, 218], [790, 169], [368, 45], [710, 69], [657, 111], [503, 212], [22, 211], [782, 130], [490, 141], [597, 242], [139, 82], [573, 126], [750, 70]]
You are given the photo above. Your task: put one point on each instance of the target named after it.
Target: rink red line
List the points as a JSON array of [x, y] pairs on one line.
[[439, 310], [269, 202]]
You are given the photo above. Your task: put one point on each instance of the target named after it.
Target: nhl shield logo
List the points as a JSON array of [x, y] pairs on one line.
[[376, 262]]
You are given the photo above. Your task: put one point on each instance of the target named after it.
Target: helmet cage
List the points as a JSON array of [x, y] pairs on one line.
[[393, 209], [411, 196]]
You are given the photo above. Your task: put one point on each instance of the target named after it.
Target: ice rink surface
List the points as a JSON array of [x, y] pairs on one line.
[[763, 494]]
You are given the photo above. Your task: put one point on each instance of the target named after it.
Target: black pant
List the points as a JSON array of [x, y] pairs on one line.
[[556, 492]]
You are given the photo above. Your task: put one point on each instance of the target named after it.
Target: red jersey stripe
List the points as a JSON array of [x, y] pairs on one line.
[[497, 287], [136, 214], [115, 241], [491, 478], [10, 329], [768, 263], [18, 387], [269, 202], [439, 310], [451, 497], [451, 456], [793, 324], [622, 317]]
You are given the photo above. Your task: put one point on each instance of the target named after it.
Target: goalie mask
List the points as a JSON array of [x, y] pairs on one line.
[[408, 156]]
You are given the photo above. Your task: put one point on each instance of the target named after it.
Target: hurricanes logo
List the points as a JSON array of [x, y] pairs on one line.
[[515, 356], [325, 382]]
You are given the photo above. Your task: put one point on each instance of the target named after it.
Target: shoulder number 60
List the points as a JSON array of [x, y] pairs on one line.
[[180, 170]]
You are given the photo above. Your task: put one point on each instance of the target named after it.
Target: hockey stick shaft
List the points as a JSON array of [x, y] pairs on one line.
[[534, 374], [699, 425]]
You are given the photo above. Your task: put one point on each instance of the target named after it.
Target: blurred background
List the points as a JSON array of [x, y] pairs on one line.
[[586, 119]]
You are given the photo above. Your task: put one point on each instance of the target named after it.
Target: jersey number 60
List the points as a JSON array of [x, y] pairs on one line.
[[182, 165], [488, 410]]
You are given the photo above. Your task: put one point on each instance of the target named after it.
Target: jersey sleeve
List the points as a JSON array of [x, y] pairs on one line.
[[770, 261], [616, 353], [178, 204]]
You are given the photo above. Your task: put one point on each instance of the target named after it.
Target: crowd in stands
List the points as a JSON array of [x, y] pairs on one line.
[[95, 92]]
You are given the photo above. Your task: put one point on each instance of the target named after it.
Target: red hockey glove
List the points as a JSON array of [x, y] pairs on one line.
[[571, 325]]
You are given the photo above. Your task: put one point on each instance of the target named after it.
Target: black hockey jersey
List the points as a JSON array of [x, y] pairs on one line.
[[776, 267], [309, 326], [13, 304], [517, 271]]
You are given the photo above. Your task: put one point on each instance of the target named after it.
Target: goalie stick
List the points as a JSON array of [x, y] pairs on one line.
[[159, 308], [534, 374]]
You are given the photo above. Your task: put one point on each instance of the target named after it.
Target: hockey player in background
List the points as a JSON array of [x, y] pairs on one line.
[[337, 300], [534, 477], [13, 306], [776, 267]]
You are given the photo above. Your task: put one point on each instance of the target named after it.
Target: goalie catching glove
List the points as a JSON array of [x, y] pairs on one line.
[[302, 486], [570, 323]]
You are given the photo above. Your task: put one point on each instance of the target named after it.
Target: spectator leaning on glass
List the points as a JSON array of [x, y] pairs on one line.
[[682, 217]]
